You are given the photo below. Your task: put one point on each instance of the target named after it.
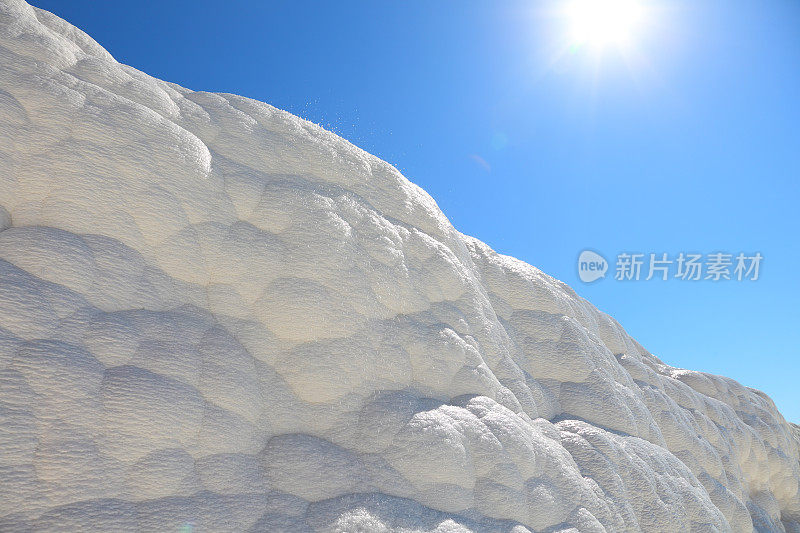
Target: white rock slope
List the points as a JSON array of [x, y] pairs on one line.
[[215, 315]]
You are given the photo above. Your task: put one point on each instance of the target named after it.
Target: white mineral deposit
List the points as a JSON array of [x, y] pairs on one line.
[[217, 316]]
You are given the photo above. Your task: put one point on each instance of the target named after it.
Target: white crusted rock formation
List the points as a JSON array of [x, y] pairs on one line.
[[216, 315]]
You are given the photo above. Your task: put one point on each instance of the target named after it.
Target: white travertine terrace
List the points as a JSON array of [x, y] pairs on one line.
[[214, 314]]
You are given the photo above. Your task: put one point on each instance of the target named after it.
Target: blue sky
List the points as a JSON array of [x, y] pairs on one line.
[[685, 140]]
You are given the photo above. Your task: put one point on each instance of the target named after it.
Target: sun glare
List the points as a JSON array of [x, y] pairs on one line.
[[600, 23]]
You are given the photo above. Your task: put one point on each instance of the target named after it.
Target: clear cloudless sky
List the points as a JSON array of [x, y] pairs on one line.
[[686, 140]]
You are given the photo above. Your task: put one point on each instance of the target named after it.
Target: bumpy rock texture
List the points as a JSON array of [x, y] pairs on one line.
[[216, 315]]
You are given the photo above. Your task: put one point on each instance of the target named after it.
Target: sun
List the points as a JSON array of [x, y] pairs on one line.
[[601, 23]]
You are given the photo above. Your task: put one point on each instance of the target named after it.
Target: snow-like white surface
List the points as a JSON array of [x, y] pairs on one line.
[[216, 315]]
